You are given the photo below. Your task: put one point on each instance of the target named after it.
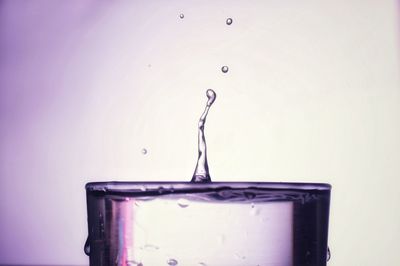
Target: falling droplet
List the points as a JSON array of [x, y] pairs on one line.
[[229, 21], [144, 151], [87, 247], [224, 69], [181, 15], [183, 203], [172, 262], [328, 254], [201, 172]]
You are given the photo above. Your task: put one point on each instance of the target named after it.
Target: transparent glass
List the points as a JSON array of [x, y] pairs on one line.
[[218, 223]]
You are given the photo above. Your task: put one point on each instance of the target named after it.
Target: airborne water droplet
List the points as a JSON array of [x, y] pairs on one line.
[[144, 151], [229, 21], [183, 203], [172, 262], [225, 69], [181, 15]]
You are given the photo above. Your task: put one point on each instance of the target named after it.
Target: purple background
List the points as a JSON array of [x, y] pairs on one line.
[[85, 85]]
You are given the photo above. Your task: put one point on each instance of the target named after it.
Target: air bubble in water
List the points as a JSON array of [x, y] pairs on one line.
[[225, 69], [181, 15], [172, 262], [183, 203], [144, 151], [238, 256], [150, 247], [229, 21], [132, 262], [254, 211]]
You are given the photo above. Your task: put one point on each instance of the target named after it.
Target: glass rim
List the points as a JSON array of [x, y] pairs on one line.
[[132, 186]]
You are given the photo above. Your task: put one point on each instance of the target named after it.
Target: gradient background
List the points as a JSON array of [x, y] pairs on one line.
[[312, 94]]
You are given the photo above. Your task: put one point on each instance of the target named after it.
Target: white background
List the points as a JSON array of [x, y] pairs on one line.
[[312, 94]]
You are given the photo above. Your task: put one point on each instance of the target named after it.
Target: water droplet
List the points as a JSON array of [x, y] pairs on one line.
[[229, 21], [87, 247], [181, 15], [254, 210], [211, 95], [239, 257], [183, 203], [160, 190], [127, 199], [144, 151], [133, 262], [249, 195], [172, 262], [224, 69], [150, 247], [328, 254], [202, 264]]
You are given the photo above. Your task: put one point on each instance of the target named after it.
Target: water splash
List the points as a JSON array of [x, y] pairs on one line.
[[201, 173]]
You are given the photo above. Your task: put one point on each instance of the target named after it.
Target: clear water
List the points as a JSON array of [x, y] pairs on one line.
[[265, 224]]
